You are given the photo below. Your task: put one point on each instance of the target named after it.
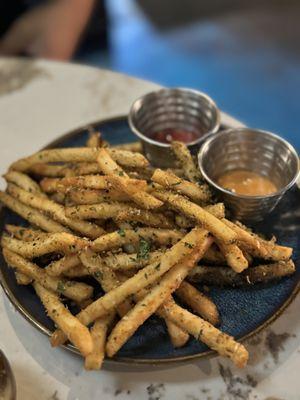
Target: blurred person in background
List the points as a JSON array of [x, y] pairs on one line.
[[51, 29]]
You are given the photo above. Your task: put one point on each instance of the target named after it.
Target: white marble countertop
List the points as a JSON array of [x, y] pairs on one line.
[[38, 102]]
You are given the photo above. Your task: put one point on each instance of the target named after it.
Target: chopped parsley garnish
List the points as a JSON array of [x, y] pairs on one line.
[[143, 250], [157, 267], [189, 245], [61, 287], [121, 173], [98, 274], [121, 232]]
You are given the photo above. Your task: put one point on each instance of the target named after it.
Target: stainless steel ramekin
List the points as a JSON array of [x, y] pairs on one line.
[[248, 149], [177, 108]]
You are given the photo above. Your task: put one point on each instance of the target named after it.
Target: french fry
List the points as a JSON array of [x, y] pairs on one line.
[[126, 327], [199, 302], [135, 147], [169, 180], [52, 185], [141, 279], [107, 165], [218, 210], [31, 215], [186, 161], [93, 196], [76, 291], [94, 360], [102, 210], [26, 234], [144, 217], [75, 272], [214, 256], [56, 243], [94, 140], [22, 279], [128, 236], [224, 276], [197, 213], [63, 265], [49, 170], [56, 211], [59, 198], [202, 330], [23, 181], [77, 333], [177, 335], [81, 154], [234, 256]]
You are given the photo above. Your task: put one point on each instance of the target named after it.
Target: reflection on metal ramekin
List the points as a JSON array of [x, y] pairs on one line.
[[247, 149], [177, 108]]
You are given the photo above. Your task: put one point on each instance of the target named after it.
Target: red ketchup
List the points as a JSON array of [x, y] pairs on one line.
[[170, 134]]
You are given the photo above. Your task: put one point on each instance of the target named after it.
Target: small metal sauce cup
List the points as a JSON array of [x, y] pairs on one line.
[[178, 108], [247, 149]]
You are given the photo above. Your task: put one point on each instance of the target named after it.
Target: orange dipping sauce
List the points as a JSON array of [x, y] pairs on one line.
[[247, 183]]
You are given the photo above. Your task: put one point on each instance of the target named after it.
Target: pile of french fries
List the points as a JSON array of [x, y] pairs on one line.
[[144, 234]]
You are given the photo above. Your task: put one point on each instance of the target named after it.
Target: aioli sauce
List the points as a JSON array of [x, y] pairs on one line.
[[170, 134], [247, 183]]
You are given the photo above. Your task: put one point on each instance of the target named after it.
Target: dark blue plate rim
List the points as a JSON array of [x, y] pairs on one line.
[[129, 360]]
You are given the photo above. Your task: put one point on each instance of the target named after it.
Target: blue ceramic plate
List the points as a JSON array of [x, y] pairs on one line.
[[244, 311]]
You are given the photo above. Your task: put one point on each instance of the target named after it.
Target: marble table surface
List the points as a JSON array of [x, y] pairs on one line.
[[38, 102]]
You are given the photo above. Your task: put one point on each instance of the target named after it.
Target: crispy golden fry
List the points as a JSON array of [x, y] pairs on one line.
[[186, 161], [126, 327], [148, 218], [63, 265], [107, 165], [76, 291], [94, 140], [76, 272], [171, 181], [141, 279], [135, 147], [178, 337], [56, 243], [59, 198], [50, 170], [224, 276], [56, 211], [23, 181], [127, 236], [93, 196], [30, 214], [102, 210], [199, 302], [22, 279], [99, 330], [81, 154], [217, 210], [142, 198], [234, 256], [52, 185], [26, 234], [202, 330], [77, 333], [197, 213]]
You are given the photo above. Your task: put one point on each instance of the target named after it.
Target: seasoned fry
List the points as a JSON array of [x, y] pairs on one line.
[[52, 185], [94, 140], [94, 360], [77, 333], [197, 213], [126, 327], [103, 210], [186, 161], [63, 265], [127, 236], [31, 215], [25, 234], [57, 242], [82, 154], [23, 181], [202, 330], [171, 181], [76, 291], [199, 302], [135, 147], [144, 217], [93, 196], [44, 169], [58, 198], [107, 165], [56, 211], [177, 335], [22, 279], [234, 256], [224, 276]]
